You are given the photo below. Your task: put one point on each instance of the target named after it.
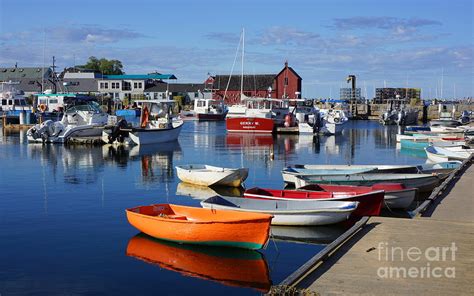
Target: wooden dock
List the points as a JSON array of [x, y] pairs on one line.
[[432, 254]]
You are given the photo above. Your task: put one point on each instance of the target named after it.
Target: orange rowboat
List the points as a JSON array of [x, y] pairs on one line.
[[228, 266], [193, 225]]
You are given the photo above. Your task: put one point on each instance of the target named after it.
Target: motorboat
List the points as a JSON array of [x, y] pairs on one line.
[[445, 118], [333, 122], [192, 225], [209, 109], [287, 212], [398, 113], [83, 118], [207, 175], [157, 125], [256, 115], [11, 99]]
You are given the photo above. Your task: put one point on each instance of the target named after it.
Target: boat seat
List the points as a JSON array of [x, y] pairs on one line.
[[175, 217]]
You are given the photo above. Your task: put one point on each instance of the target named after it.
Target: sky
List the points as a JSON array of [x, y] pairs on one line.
[[393, 43]]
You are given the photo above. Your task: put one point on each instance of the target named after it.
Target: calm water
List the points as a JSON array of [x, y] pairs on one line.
[[63, 228]]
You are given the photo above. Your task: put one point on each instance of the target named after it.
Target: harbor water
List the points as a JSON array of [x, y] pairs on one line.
[[63, 228]]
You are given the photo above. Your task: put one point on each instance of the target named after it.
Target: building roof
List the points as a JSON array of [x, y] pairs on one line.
[[141, 76], [291, 70], [75, 85], [251, 82], [17, 73], [176, 87]]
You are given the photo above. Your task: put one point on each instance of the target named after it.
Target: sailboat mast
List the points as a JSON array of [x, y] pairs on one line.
[[243, 53]]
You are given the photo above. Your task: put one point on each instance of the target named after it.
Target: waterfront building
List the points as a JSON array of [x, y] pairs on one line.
[[382, 95], [285, 84]]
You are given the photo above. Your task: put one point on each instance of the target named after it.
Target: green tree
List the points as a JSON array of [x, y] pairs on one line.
[[107, 67]]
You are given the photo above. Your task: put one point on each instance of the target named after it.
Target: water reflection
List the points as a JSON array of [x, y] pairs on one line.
[[228, 266], [156, 160], [311, 234], [80, 164], [204, 192]]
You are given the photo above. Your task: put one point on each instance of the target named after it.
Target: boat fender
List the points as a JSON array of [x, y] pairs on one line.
[[42, 107], [336, 119]]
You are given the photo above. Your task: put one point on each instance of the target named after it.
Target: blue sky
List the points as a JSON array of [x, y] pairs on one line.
[[394, 43]]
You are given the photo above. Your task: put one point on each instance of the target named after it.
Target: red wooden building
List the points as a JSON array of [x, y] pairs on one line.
[[285, 84]]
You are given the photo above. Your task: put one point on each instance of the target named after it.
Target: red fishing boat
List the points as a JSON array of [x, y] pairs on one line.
[[370, 203]]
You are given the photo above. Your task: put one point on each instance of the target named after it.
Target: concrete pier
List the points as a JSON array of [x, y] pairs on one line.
[[429, 255]]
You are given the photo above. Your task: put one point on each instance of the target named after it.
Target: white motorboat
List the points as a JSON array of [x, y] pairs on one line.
[[333, 122], [287, 212], [207, 175], [209, 109], [12, 99], [82, 118], [398, 113], [445, 117], [157, 125]]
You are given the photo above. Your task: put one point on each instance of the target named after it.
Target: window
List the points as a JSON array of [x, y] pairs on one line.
[[53, 101], [139, 85], [106, 85], [196, 95], [10, 102], [17, 102], [4, 102], [135, 85], [286, 80]]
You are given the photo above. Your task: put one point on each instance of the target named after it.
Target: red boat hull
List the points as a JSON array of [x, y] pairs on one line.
[[370, 203], [250, 125]]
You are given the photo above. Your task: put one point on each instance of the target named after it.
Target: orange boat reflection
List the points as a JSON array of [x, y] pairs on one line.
[[228, 266]]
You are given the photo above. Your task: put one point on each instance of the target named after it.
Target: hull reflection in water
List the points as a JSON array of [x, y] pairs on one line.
[[204, 192], [319, 235], [228, 266]]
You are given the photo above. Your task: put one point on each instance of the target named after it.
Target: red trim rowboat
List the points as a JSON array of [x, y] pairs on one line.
[[370, 203], [397, 196]]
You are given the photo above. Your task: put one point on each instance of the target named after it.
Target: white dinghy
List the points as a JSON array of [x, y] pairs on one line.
[[207, 175], [287, 212]]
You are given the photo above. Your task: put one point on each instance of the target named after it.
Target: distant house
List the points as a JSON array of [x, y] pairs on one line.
[[189, 91], [285, 84]]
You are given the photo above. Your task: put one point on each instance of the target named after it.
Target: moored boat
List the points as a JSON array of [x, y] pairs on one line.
[[192, 225], [436, 153], [425, 168], [397, 196], [424, 182], [229, 266], [207, 175], [209, 109], [370, 203], [157, 125], [290, 173], [287, 212]]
